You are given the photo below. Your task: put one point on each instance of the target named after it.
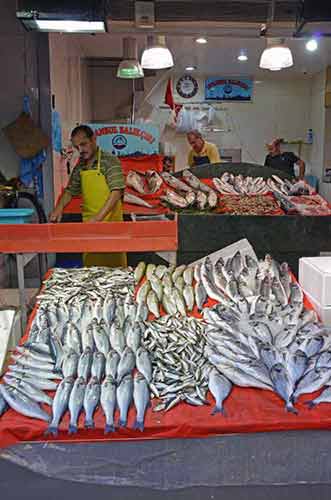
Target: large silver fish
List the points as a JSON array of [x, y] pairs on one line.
[[154, 181], [116, 337], [98, 365], [135, 200], [29, 390], [283, 385], [75, 404], [144, 364], [112, 361], [220, 387], [22, 403], [91, 401], [70, 364], [141, 399], [174, 199], [101, 339], [85, 364], [135, 181], [108, 402], [60, 404], [175, 183], [126, 364], [124, 395]]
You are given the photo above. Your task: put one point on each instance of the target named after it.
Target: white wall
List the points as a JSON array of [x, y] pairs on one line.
[[19, 76], [278, 109], [69, 81]]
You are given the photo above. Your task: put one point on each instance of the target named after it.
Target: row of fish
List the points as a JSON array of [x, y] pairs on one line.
[[170, 287]]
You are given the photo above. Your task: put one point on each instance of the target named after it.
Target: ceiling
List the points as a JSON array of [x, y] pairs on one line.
[[219, 55]]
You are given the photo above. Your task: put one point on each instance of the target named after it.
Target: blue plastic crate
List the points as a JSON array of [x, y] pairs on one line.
[[15, 215]]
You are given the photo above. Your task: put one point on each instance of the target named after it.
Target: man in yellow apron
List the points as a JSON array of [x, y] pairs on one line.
[[98, 177]]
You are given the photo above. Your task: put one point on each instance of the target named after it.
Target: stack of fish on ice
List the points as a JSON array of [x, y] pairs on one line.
[[84, 344]]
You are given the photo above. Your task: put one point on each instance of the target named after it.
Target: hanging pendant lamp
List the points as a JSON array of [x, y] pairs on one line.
[[130, 67], [276, 55], [156, 55]]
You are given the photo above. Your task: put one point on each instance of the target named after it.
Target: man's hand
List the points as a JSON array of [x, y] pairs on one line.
[[95, 218], [56, 215]]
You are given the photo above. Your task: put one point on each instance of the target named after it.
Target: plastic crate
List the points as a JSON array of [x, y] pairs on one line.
[[16, 215]]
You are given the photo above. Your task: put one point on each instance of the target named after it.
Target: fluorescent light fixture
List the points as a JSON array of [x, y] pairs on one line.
[[130, 67], [242, 56], [312, 45], [157, 55], [67, 26], [276, 56], [201, 40], [190, 68]]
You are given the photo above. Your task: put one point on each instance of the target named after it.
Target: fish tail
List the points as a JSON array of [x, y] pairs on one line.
[[218, 409], [72, 429], [311, 404], [139, 425], [122, 422], [290, 408], [52, 429], [89, 424], [109, 428]]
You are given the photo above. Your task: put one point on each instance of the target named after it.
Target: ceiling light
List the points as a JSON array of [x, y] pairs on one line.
[[130, 67], [276, 56], [190, 68], [312, 45], [67, 26], [201, 40], [156, 55], [242, 56]]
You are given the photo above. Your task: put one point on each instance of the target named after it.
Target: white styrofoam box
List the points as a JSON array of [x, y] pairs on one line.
[[324, 312], [10, 333], [315, 278]]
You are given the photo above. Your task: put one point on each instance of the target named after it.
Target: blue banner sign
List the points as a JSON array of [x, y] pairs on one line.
[[127, 140], [229, 89]]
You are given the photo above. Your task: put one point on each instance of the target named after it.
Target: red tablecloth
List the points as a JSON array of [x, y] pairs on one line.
[[247, 410]]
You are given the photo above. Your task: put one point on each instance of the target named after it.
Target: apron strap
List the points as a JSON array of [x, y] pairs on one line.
[[99, 160]]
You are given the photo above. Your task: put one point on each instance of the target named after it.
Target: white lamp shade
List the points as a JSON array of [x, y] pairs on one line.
[[157, 55], [276, 58], [130, 69]]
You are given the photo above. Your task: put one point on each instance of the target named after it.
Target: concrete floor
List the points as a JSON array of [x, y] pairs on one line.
[[17, 483]]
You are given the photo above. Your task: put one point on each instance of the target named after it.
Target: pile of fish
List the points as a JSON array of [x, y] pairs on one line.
[[259, 334], [148, 182], [245, 185], [84, 343], [171, 287], [248, 205], [176, 346], [189, 194]]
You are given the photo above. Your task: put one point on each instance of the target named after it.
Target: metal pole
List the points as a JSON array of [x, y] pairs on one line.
[[133, 101]]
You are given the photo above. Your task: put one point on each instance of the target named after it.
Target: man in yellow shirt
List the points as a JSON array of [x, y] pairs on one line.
[[202, 152]]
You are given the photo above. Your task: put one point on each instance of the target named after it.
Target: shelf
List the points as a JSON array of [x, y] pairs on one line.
[[144, 236]]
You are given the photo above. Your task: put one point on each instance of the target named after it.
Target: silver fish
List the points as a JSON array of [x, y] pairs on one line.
[[135, 200], [154, 181], [141, 399], [126, 364], [188, 294], [108, 402], [283, 385], [175, 183], [70, 364], [312, 381], [133, 337], [116, 337], [84, 364], [87, 338], [22, 404], [33, 363], [101, 339], [112, 361], [39, 383], [91, 401], [29, 390], [34, 372], [98, 365], [202, 200], [60, 404], [220, 387], [76, 401], [324, 397], [3, 405], [153, 303], [136, 181], [139, 271], [124, 397], [144, 364]]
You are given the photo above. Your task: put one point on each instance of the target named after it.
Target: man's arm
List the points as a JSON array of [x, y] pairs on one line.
[[113, 198], [56, 214], [214, 156], [302, 168], [190, 159]]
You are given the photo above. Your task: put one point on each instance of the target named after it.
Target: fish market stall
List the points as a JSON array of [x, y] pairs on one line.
[[228, 345]]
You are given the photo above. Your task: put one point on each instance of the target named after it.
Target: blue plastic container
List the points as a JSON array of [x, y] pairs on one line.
[[15, 215]]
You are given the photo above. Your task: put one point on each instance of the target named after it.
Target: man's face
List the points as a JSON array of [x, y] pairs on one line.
[[274, 148], [85, 146], [195, 142]]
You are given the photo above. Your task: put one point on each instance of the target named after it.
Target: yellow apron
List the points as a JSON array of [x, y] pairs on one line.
[[95, 193]]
